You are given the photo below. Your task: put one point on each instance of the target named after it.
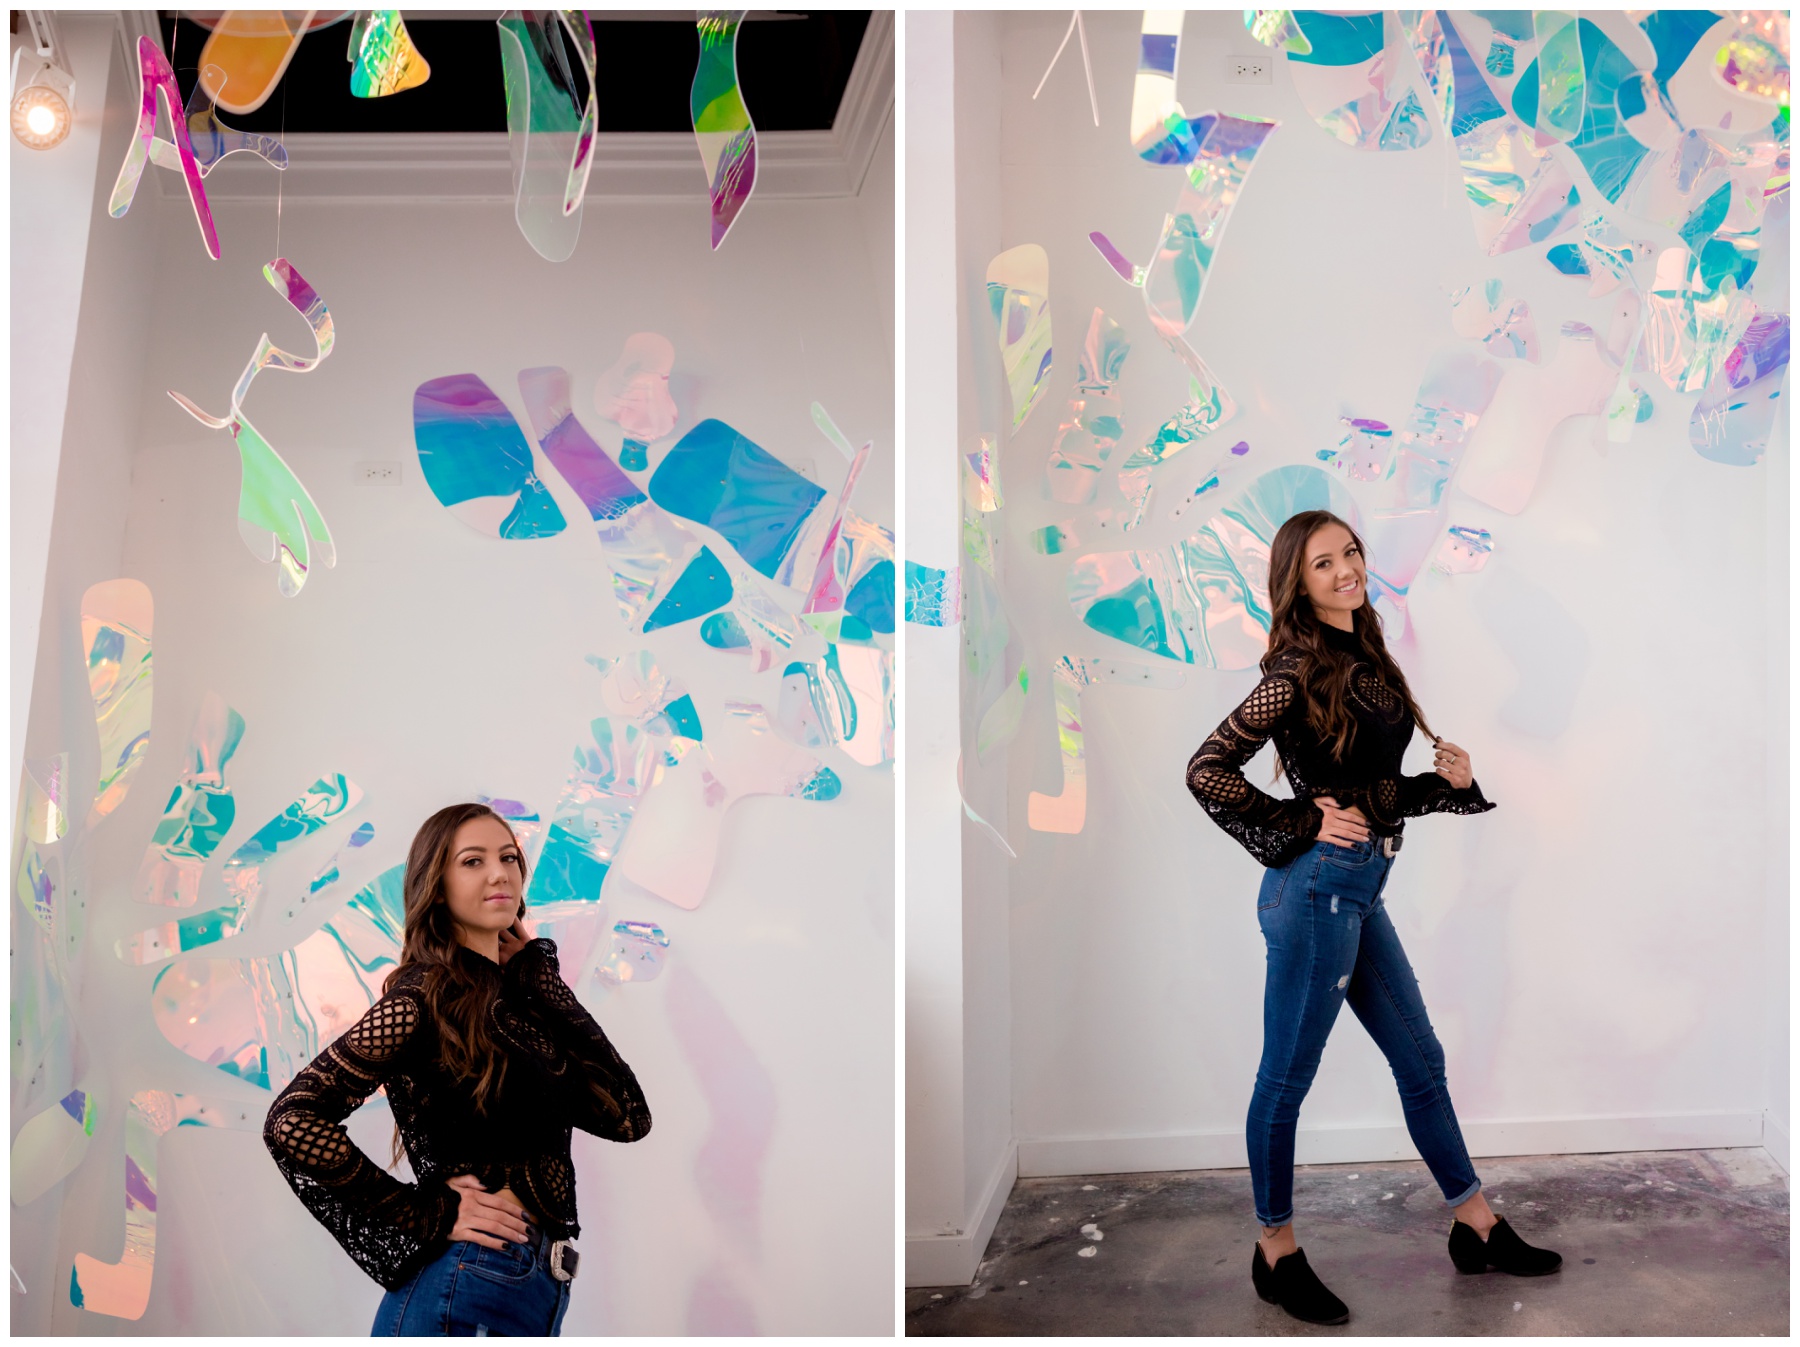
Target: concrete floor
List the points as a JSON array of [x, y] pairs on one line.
[[1657, 1242]]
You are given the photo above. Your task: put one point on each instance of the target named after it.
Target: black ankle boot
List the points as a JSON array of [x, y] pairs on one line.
[[1503, 1250], [1293, 1285]]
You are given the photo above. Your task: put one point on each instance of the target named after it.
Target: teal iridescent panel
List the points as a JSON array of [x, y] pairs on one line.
[[871, 599], [199, 813], [1735, 416], [116, 618], [758, 504], [476, 460], [639, 950], [1356, 83], [931, 595], [1203, 600], [1092, 426], [703, 586]]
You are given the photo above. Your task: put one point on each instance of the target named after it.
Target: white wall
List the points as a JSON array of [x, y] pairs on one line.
[[1592, 951], [433, 663]]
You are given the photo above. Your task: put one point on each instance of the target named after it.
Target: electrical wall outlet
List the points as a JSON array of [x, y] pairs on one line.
[[387, 472], [1249, 70]]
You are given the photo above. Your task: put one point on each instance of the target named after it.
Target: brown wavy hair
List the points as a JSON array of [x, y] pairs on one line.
[[457, 1003], [1324, 672]]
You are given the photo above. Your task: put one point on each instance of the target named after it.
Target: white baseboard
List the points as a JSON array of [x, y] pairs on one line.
[[1775, 1141], [1056, 1157], [951, 1260]]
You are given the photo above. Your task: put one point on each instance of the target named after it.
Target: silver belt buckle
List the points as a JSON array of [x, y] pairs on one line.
[[1390, 846], [563, 1261]]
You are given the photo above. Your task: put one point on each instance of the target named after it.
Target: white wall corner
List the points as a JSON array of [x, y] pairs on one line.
[[953, 1259], [1775, 1140]]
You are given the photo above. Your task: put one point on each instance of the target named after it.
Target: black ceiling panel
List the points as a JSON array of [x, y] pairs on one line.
[[792, 69]]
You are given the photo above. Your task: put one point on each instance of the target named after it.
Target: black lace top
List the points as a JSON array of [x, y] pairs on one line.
[[554, 1049], [1276, 831]]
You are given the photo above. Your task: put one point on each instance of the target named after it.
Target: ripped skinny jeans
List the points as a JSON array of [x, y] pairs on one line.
[[1330, 940]]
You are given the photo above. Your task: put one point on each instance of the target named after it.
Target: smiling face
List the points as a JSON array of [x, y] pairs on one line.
[[483, 879], [1333, 575]]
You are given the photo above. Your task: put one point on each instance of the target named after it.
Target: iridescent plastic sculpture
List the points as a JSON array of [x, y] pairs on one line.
[[634, 393], [1355, 80], [1506, 330], [476, 460], [673, 846], [51, 1145], [722, 124], [115, 632], [1464, 550], [1735, 416], [639, 950], [46, 799], [1067, 812], [550, 133], [276, 516], [1364, 451], [1159, 129], [251, 48], [382, 56], [1088, 433], [329, 872], [122, 1289], [1204, 600], [648, 551], [325, 801], [715, 476], [154, 77], [199, 813], [212, 140], [1755, 60], [846, 700], [1018, 288], [931, 595]]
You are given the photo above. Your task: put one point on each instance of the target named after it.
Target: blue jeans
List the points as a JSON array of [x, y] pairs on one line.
[[470, 1291], [1330, 940]]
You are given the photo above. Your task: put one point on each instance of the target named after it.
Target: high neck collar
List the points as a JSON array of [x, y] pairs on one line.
[[1339, 639], [475, 961]]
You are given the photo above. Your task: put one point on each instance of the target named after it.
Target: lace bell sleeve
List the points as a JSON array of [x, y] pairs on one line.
[[1272, 830], [600, 1090], [391, 1229]]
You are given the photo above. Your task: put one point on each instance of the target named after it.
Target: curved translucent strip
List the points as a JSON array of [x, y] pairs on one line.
[[1602, 141], [121, 1290], [634, 391], [931, 595], [647, 550], [382, 56], [1690, 330], [326, 800], [1423, 31], [1000, 722], [476, 461], [51, 1145], [1356, 82], [981, 475], [713, 475], [1561, 76], [673, 845], [199, 813], [549, 135], [1065, 812], [155, 77], [637, 954], [1129, 272], [754, 624], [261, 1019], [862, 570], [1363, 452], [1213, 481], [1465, 549], [826, 592], [277, 518], [43, 957], [1018, 290], [116, 619], [1502, 325], [1735, 416], [1085, 438], [35, 885], [722, 125], [1159, 129], [211, 139], [329, 873], [1208, 407], [1204, 600], [250, 50], [985, 628], [828, 428], [44, 803], [1755, 60]]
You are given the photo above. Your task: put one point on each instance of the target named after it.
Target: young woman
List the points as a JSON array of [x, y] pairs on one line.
[[1341, 716], [488, 1061]]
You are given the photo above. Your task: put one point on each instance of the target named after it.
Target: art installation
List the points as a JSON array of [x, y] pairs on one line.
[[549, 126], [1018, 288], [932, 596], [251, 48], [121, 1290], [1354, 78], [722, 125], [156, 78], [476, 460], [1086, 437], [634, 392], [276, 516], [1066, 812], [211, 139], [51, 1145], [382, 57], [116, 619], [639, 950], [199, 813], [1464, 550]]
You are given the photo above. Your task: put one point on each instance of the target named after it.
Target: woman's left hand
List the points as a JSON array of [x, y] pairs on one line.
[[513, 939], [1452, 763]]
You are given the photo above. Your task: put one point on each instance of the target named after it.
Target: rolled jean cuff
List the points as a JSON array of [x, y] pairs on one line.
[[1474, 1188], [1273, 1225]]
